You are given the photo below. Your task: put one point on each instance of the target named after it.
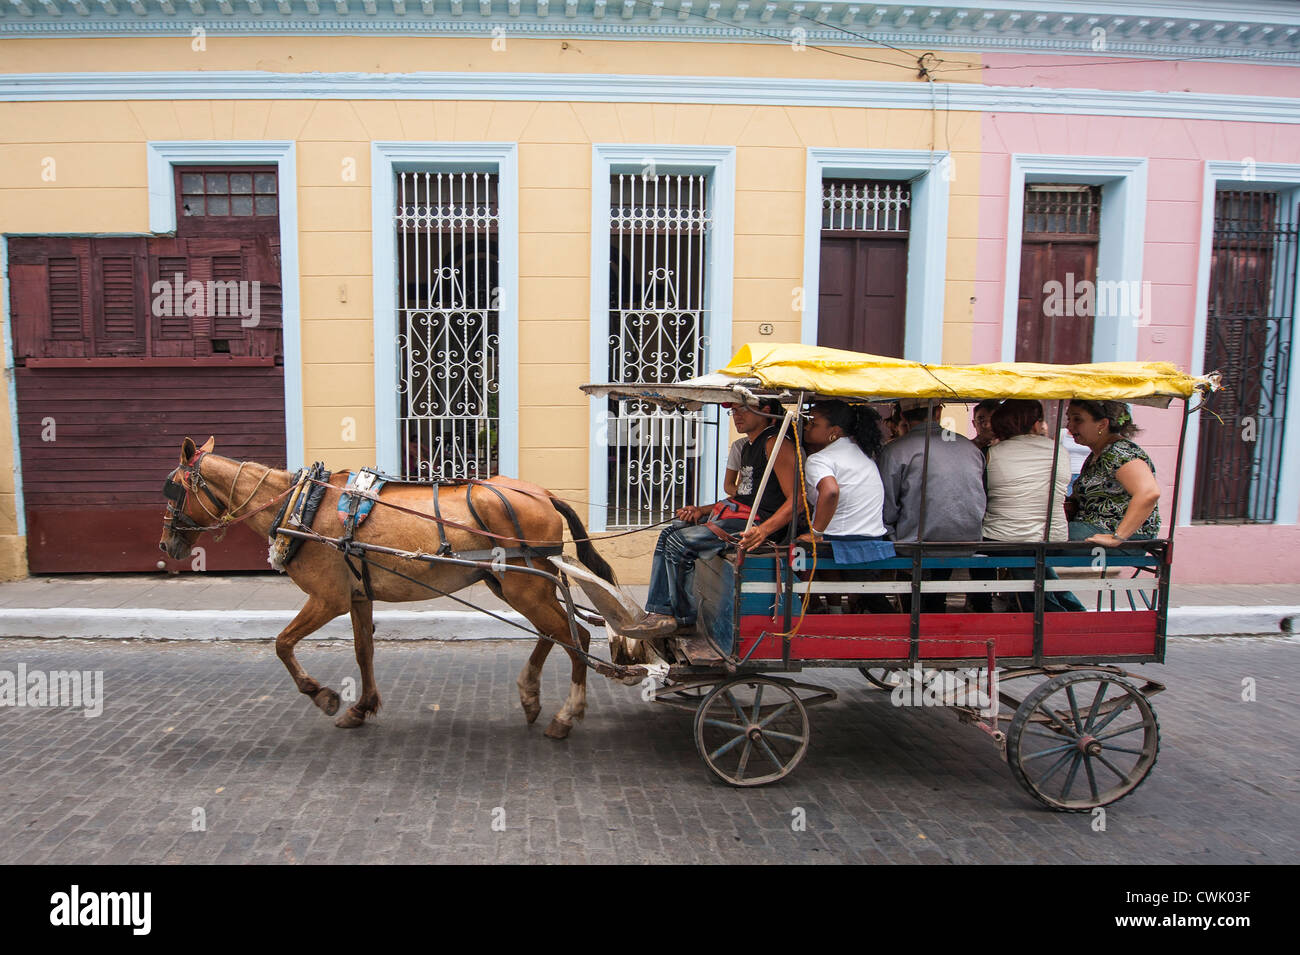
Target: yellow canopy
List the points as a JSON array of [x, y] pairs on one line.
[[835, 373]]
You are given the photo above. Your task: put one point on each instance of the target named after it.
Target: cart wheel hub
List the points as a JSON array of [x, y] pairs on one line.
[[755, 733], [1090, 746]]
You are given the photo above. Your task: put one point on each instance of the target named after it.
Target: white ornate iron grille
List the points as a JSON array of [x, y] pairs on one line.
[[658, 322], [856, 205], [448, 308]]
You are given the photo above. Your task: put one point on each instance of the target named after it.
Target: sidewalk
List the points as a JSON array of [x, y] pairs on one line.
[[257, 606]]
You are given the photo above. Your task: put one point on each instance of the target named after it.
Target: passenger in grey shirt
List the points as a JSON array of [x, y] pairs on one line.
[[954, 505]]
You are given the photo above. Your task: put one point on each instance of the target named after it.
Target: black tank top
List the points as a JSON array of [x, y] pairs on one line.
[[753, 462]]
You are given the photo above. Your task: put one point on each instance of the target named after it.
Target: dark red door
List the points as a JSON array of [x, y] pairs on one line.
[[110, 379], [1247, 340], [1056, 308], [862, 297], [1058, 273]]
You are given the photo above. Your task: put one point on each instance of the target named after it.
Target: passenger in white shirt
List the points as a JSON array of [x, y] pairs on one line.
[[843, 482]]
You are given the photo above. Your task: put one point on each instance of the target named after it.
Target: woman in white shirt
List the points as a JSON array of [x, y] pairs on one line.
[[1016, 479], [843, 482], [846, 493]]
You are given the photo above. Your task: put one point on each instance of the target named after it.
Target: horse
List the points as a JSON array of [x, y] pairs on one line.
[[210, 491]]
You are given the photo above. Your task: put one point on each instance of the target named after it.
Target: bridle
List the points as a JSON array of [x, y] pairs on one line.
[[177, 489], [187, 479]]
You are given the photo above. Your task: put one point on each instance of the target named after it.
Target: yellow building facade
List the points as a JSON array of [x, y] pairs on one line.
[[98, 149]]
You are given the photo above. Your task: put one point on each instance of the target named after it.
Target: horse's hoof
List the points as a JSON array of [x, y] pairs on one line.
[[327, 700], [351, 719], [531, 711], [558, 730]]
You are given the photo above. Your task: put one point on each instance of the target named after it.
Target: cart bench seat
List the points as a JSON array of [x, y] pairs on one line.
[[1126, 621]]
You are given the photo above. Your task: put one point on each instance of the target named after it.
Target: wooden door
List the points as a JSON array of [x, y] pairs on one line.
[[109, 385], [1056, 313], [862, 298], [1248, 339]]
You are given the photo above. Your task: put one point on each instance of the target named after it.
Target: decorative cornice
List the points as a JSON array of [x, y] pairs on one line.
[[1267, 31], [598, 88]]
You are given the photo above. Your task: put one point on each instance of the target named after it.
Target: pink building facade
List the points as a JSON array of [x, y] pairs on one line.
[[1160, 175]]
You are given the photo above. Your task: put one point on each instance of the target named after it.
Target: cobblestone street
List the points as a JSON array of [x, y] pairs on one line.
[[216, 733]]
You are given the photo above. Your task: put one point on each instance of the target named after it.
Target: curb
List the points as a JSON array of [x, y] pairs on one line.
[[1232, 621]]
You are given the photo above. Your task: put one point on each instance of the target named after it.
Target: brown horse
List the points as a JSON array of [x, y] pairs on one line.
[[219, 490]]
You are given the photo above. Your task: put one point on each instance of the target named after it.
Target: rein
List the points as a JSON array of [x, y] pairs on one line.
[[481, 532], [177, 491]]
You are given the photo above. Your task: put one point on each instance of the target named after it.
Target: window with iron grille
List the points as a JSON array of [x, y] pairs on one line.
[[1248, 335], [658, 332], [1059, 209], [859, 205], [448, 312]]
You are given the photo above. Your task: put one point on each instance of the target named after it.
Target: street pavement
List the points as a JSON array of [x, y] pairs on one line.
[[204, 752]]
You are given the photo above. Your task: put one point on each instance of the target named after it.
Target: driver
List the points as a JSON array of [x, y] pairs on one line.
[[705, 530]]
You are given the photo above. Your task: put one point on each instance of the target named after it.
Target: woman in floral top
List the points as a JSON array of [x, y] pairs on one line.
[[1115, 496]]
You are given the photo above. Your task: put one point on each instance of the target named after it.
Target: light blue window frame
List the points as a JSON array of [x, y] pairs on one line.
[[386, 160], [719, 163], [1283, 178], [927, 243]]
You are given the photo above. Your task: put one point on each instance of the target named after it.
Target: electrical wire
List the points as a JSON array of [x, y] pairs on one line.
[[1120, 59]]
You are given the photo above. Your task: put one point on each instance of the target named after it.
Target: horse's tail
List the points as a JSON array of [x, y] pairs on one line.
[[586, 553]]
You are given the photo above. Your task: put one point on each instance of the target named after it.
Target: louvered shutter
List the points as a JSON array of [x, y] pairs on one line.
[[172, 333], [51, 297], [120, 301]]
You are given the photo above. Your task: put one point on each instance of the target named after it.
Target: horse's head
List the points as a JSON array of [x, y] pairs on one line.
[[186, 517]]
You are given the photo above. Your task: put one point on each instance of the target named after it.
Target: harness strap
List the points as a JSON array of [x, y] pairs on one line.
[[473, 511], [514, 520], [350, 522], [479, 531], [552, 550], [349, 549], [279, 515], [444, 545]]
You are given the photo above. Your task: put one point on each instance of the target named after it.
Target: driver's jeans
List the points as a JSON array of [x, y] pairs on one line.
[[672, 576]]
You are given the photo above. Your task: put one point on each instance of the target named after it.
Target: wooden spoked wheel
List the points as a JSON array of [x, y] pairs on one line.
[[1083, 739], [751, 730], [882, 678], [692, 692]]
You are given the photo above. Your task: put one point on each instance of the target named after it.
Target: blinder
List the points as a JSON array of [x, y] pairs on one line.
[[175, 491]]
